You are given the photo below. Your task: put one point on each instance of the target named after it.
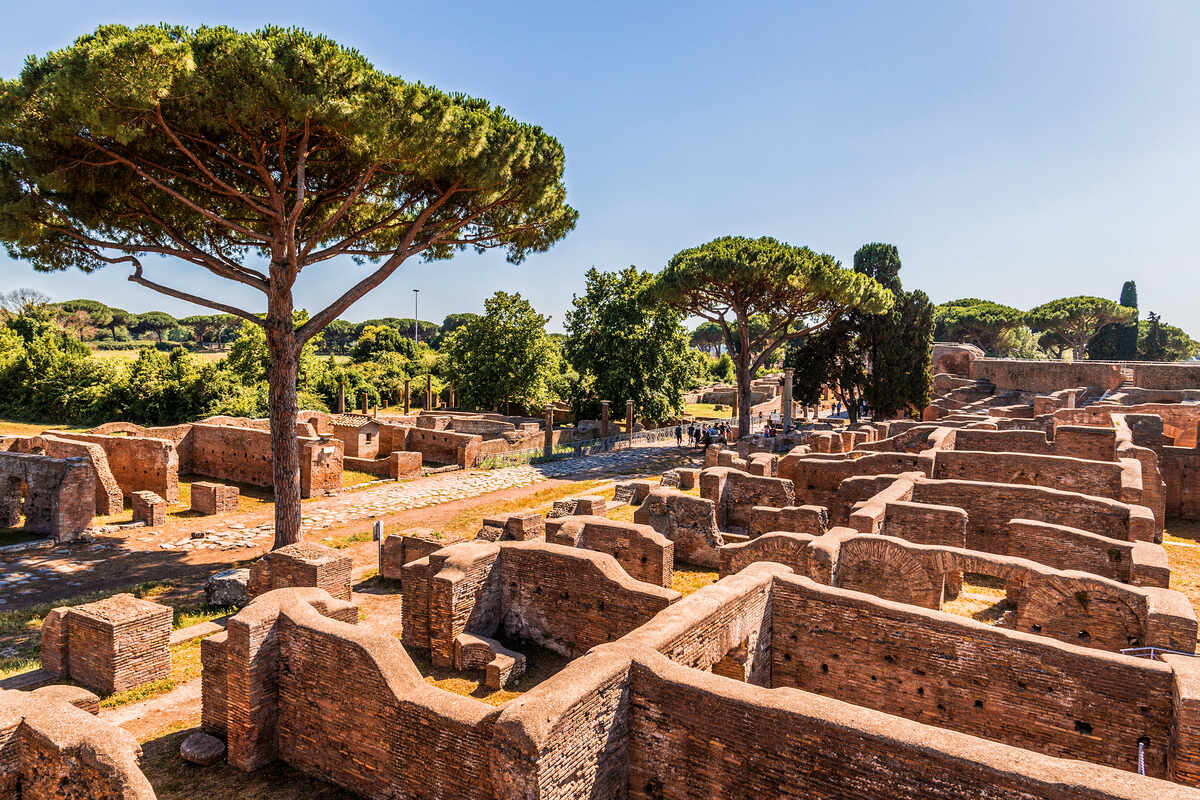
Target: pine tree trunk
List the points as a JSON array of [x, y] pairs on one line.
[[282, 373], [743, 376]]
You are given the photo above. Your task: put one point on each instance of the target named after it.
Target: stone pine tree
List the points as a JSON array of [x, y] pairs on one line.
[[974, 321], [795, 290], [253, 158], [1074, 321], [1118, 341]]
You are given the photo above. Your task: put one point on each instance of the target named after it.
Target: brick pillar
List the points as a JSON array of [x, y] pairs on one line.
[[364, 402], [548, 437], [451, 387], [341, 397], [629, 421], [788, 375], [429, 392], [407, 395], [604, 418]]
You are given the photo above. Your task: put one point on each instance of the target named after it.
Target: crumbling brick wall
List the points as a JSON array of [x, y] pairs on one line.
[[735, 493], [52, 750], [1043, 377], [137, 463], [56, 496], [1100, 478]]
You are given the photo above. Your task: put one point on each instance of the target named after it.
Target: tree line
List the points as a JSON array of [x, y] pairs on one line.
[[1083, 327]]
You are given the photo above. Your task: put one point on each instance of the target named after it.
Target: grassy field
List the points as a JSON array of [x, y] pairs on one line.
[[707, 411]]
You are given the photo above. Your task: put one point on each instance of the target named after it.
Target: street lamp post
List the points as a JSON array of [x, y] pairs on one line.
[[416, 294]]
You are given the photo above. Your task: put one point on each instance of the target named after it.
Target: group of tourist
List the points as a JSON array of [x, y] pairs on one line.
[[703, 435]]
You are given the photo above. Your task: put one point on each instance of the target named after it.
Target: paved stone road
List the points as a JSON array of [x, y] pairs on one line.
[[21, 574]]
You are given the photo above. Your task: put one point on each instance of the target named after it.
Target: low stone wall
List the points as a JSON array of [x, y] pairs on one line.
[[56, 496], [397, 466], [735, 493], [1166, 376], [1099, 478], [1043, 377], [642, 552], [990, 507]]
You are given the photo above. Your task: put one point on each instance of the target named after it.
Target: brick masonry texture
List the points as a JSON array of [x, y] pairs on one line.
[[110, 645], [642, 552], [302, 564], [56, 496]]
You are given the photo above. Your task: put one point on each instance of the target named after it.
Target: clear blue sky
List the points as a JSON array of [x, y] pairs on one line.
[[1018, 151]]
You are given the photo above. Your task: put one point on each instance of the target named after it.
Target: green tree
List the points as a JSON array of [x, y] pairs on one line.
[[974, 321], [155, 323], [1164, 342], [708, 337], [203, 327], [223, 150], [1077, 319], [502, 357], [1118, 341], [797, 291], [1154, 342], [338, 335], [633, 346], [376, 339], [452, 323], [896, 345]]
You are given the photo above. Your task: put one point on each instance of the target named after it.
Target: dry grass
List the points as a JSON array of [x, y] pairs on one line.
[[466, 523], [185, 666], [540, 664], [352, 477], [982, 599], [173, 779], [14, 428], [688, 579], [132, 353], [1181, 540]]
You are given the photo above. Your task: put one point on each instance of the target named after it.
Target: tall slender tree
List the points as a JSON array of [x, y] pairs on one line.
[[254, 157]]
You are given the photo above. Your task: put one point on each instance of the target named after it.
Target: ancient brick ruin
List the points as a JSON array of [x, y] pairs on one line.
[[110, 645], [833, 658]]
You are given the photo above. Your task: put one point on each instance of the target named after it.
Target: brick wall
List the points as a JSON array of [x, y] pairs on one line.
[[137, 463], [1043, 377], [1023, 690], [642, 552], [817, 480], [51, 750], [735, 493], [1009, 441], [697, 735], [1100, 478], [1166, 376], [990, 506]]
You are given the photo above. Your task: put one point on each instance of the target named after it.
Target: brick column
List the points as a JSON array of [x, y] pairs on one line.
[[548, 436], [364, 402], [788, 375], [604, 418], [429, 392], [451, 387], [407, 395], [341, 397], [629, 421]]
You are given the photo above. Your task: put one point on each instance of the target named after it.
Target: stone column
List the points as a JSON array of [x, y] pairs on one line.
[[341, 397], [364, 402], [604, 418], [629, 421], [548, 437], [429, 392], [451, 387], [788, 375], [407, 396]]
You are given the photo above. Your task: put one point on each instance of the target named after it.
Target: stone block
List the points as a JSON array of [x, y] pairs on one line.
[[214, 498], [302, 564], [688, 477], [149, 508], [227, 588], [111, 645]]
